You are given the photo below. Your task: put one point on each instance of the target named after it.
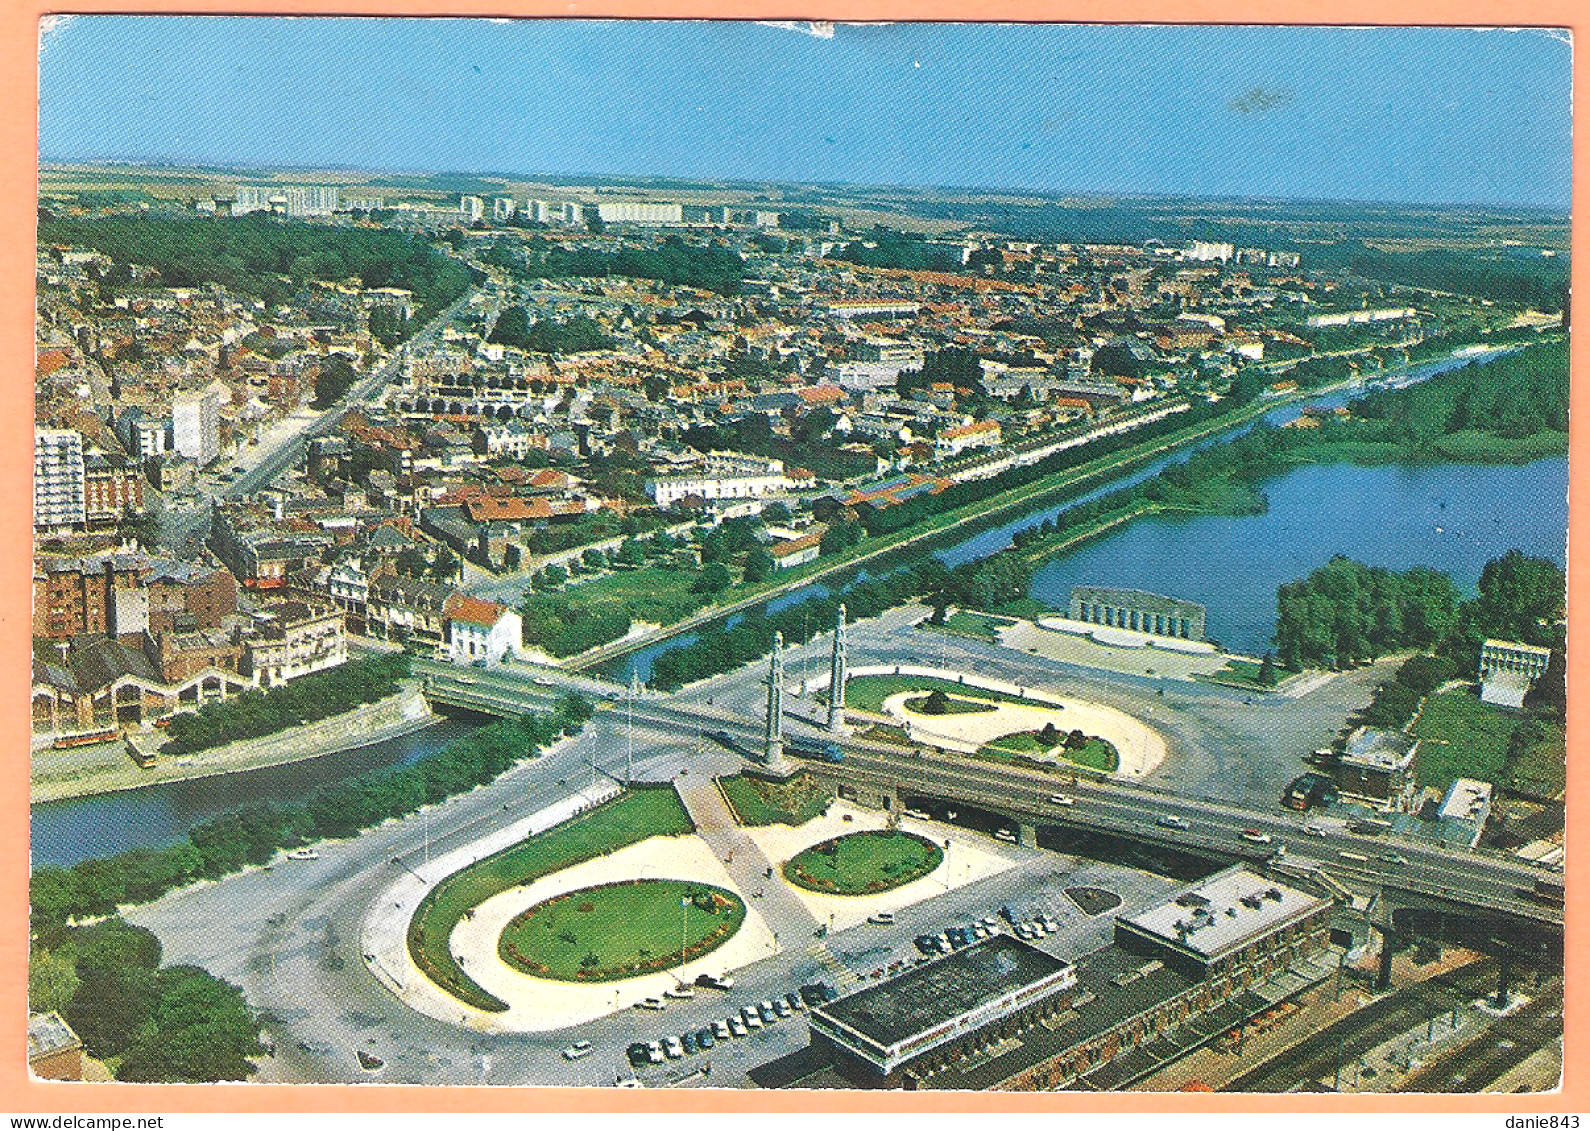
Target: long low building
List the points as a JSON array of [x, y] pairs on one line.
[[1138, 611]]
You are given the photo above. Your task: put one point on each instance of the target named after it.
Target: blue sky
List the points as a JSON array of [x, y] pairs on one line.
[[1401, 115]]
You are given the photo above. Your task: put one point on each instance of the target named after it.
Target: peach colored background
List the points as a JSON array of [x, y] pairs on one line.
[[19, 97]]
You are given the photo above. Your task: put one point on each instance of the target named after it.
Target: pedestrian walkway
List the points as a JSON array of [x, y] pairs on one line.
[[841, 973], [753, 873]]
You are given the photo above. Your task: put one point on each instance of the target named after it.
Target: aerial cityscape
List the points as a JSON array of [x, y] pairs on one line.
[[641, 555]]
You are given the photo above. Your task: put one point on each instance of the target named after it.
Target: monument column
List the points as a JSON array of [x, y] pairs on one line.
[[774, 732], [836, 676]]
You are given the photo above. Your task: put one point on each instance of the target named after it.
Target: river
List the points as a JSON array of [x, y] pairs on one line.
[[1453, 517], [155, 816]]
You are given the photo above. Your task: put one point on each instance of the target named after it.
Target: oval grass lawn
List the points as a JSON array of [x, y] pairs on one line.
[[864, 863], [620, 930]]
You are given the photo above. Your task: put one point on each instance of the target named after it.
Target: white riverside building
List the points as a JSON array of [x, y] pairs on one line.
[[723, 477]]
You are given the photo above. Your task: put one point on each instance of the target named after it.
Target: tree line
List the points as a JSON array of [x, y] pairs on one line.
[[710, 267], [306, 699], [574, 334], [268, 257], [253, 833]]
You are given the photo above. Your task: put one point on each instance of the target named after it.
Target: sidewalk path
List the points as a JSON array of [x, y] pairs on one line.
[[791, 922]]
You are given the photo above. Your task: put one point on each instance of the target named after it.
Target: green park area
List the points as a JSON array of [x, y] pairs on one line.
[[757, 801], [868, 692], [627, 819], [1083, 750], [864, 863], [1461, 737], [621, 930], [938, 702]]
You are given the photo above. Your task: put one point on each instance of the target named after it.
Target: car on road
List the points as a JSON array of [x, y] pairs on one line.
[[1314, 830], [1392, 858], [737, 1028], [577, 1050], [543, 681], [673, 1048], [303, 854], [655, 1003], [638, 1054], [1171, 821], [463, 679], [1254, 836], [1061, 799], [882, 919]]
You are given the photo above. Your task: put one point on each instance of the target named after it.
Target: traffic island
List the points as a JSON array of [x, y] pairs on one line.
[[864, 863], [620, 930]]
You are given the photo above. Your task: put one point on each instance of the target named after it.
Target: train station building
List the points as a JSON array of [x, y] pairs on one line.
[[1005, 1015]]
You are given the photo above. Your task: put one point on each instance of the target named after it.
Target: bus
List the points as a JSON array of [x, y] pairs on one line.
[[820, 748]]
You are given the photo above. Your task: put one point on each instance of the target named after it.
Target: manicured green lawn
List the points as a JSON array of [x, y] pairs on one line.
[[1094, 753], [867, 692], [1461, 738], [652, 593], [627, 819], [759, 802], [979, 626], [864, 863], [621, 930], [952, 706]]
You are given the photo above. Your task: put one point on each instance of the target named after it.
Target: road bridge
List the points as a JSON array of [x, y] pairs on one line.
[[1404, 873]]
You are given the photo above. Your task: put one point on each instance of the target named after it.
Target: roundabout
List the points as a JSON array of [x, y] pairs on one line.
[[864, 863], [620, 930]]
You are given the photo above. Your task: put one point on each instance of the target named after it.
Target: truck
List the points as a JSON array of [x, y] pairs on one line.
[[1309, 790], [819, 748]]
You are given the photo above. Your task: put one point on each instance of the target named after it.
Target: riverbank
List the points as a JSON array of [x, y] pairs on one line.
[[108, 769]]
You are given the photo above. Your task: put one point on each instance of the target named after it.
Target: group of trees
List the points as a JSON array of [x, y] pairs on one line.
[[709, 267], [886, 247], [574, 334], [1396, 701], [252, 834], [810, 444], [172, 1024], [306, 699], [561, 627], [954, 365], [335, 378], [265, 256], [721, 649], [1536, 283], [1346, 612], [1512, 396]]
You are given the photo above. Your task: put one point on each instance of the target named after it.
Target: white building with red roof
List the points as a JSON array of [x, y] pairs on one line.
[[481, 630]]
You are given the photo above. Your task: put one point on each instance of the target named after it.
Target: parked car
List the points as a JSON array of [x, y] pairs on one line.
[[715, 982], [882, 919], [687, 1041], [753, 1020], [812, 993], [654, 1051], [737, 1027], [577, 1050], [704, 1039], [638, 1054], [653, 1003], [1049, 924], [680, 993], [765, 1009], [673, 1048], [720, 1029], [795, 1002], [781, 1007]]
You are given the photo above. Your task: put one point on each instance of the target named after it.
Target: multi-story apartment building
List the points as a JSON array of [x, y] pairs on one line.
[[58, 480]]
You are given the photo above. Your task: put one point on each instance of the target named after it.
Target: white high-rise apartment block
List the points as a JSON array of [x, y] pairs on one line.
[[503, 208], [472, 208], [640, 212], [196, 425], [540, 211], [311, 200], [58, 479], [251, 198]]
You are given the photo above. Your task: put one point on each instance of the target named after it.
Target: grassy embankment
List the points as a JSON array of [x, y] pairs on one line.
[[628, 819], [756, 801]]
